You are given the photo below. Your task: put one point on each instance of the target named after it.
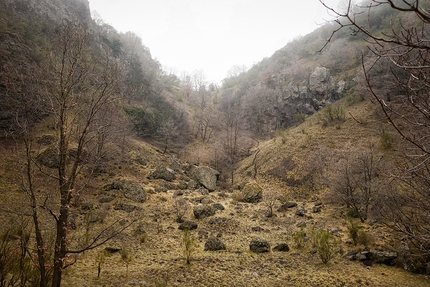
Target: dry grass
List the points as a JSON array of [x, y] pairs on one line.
[[157, 256], [160, 256]]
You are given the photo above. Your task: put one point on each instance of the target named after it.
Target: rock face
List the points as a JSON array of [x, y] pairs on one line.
[[375, 256], [203, 211], [214, 244], [165, 173], [252, 192], [206, 176], [258, 245], [131, 189]]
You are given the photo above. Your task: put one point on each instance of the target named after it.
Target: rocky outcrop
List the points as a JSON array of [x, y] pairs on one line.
[[307, 96], [376, 256]]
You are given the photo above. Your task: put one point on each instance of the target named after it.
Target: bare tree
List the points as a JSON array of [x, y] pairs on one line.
[[76, 87], [405, 49], [356, 182]]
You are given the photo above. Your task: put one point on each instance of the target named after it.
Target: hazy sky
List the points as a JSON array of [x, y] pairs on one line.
[[212, 35]]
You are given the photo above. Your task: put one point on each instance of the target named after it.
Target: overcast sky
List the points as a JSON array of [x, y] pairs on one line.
[[212, 35]]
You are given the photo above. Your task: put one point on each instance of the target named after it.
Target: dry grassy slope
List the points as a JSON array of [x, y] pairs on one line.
[[292, 154], [157, 257]]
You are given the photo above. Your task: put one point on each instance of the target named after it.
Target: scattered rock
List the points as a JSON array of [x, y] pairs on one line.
[[188, 224], [257, 229], [218, 206], [206, 200], [318, 203], [301, 211], [49, 157], [192, 184], [252, 192], [203, 191], [214, 244], [383, 256], [286, 206], [168, 185], [124, 206], [182, 185], [46, 140], [178, 193], [283, 247], [258, 245], [203, 211], [107, 198], [165, 173], [87, 206], [113, 249], [316, 209], [203, 233], [131, 189]]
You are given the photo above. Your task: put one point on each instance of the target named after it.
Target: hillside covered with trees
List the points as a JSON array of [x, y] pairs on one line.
[[321, 148]]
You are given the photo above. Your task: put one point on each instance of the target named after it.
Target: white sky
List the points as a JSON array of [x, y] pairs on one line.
[[212, 35]]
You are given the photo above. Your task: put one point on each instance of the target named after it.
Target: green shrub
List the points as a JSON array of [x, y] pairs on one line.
[[126, 257], [299, 238], [386, 141], [189, 245], [325, 244], [364, 238], [352, 226], [332, 114]]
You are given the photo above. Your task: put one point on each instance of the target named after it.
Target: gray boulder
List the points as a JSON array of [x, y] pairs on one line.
[[252, 192], [286, 206], [131, 189], [206, 176], [258, 245], [203, 211], [214, 244], [165, 173]]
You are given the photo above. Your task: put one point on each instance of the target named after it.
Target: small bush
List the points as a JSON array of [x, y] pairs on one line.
[[126, 257], [299, 238], [352, 226], [332, 114], [386, 141], [237, 195], [325, 244], [189, 245], [100, 260], [364, 238]]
